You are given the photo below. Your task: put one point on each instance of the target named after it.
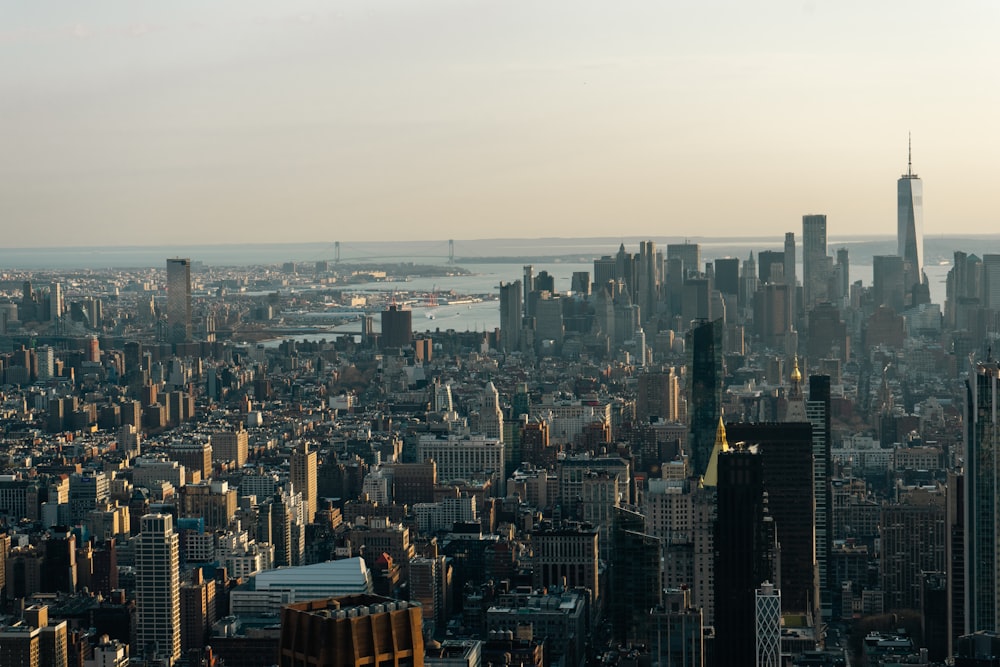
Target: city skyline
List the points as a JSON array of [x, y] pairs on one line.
[[130, 124]]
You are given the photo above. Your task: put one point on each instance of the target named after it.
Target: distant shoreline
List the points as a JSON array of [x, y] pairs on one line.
[[437, 252]]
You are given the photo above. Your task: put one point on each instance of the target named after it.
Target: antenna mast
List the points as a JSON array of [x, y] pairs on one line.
[[909, 154]]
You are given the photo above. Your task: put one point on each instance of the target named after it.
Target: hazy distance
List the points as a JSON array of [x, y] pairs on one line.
[[248, 121]]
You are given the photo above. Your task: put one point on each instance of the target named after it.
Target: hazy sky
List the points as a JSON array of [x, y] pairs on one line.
[[142, 122]]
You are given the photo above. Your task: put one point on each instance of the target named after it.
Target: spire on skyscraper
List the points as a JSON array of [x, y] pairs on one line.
[[711, 477], [909, 154]]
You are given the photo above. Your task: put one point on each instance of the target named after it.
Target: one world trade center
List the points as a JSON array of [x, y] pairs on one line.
[[910, 231]]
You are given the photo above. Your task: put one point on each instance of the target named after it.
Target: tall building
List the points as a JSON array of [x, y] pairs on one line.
[[59, 571], [636, 576], [490, 414], [303, 475], [912, 539], [678, 637], [888, 281], [158, 589], [510, 316], [649, 273], [689, 254], [657, 396], [771, 266], [990, 281], [55, 302], [727, 275], [818, 413], [429, 586], [352, 630], [787, 455], [910, 225], [843, 273], [397, 327], [814, 259], [790, 277], [230, 446], [548, 309], [768, 621], [567, 553], [982, 444], [198, 610], [704, 341], [529, 286], [179, 300], [772, 308], [20, 645], [748, 282], [745, 552], [954, 558]]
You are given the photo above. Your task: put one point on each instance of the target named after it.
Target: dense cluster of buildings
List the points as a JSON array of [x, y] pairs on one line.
[[677, 462]]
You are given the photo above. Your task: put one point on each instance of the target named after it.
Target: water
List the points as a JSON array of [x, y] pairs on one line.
[[562, 257], [485, 315]]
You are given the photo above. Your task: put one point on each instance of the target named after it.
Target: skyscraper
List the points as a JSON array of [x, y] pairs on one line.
[[815, 263], [649, 270], [790, 273], [491, 414], [397, 327], [179, 300], [157, 589], [768, 618], [55, 302], [818, 413], [787, 459], [303, 474], [510, 316], [745, 552], [982, 439], [727, 275], [990, 281], [889, 281], [910, 224], [636, 576], [689, 254], [704, 340]]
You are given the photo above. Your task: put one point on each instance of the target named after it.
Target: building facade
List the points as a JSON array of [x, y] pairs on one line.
[[179, 300], [157, 584]]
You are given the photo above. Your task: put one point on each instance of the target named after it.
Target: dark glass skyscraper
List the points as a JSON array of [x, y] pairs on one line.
[[397, 327], [745, 552], [510, 316], [818, 412], [786, 453], [636, 576], [981, 460], [704, 343]]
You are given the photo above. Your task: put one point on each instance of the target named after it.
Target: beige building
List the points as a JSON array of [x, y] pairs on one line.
[[303, 476], [230, 446]]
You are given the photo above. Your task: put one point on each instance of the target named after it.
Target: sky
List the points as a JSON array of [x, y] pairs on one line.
[[146, 123]]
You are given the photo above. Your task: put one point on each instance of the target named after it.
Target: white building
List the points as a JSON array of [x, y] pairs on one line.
[[464, 458], [767, 610], [432, 517], [158, 589], [269, 590]]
